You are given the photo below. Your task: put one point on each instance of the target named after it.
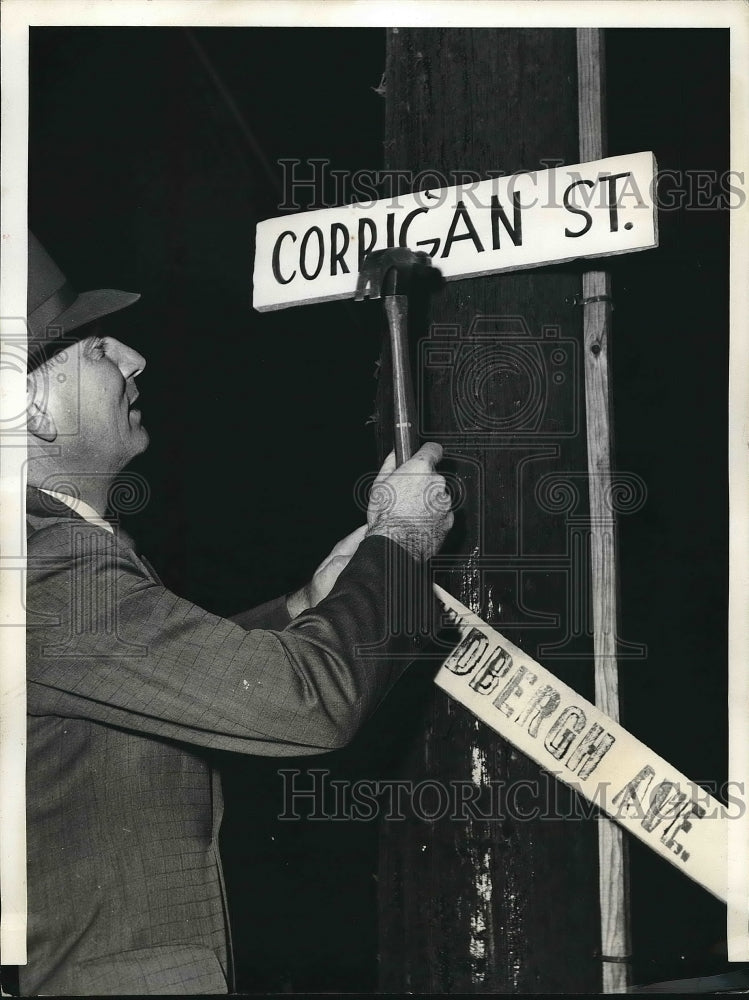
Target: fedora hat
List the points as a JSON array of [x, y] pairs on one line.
[[55, 309]]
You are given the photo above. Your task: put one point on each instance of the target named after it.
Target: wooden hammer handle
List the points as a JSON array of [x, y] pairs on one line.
[[396, 310]]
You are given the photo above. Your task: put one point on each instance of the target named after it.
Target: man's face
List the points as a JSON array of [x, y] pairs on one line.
[[90, 391]]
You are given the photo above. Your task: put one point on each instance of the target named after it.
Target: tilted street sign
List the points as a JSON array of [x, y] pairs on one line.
[[503, 224]]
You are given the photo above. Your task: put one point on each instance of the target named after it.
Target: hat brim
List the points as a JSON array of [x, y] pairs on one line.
[[93, 305]]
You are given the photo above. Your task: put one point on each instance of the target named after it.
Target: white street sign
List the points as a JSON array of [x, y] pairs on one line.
[[503, 224], [576, 742]]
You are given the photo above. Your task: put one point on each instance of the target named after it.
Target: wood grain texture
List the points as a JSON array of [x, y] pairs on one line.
[[493, 902], [613, 874]]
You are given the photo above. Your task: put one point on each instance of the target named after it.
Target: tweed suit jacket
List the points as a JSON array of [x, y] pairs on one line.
[[128, 687]]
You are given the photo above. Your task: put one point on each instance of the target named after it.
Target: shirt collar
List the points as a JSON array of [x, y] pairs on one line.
[[81, 508]]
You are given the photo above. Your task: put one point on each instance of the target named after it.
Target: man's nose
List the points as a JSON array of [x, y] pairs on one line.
[[128, 360]]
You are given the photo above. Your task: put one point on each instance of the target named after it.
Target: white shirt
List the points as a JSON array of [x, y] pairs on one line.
[[86, 511]]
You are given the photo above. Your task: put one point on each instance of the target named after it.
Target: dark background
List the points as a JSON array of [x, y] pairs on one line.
[[153, 153]]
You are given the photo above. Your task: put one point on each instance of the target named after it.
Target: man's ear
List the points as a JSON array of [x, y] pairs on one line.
[[38, 421]]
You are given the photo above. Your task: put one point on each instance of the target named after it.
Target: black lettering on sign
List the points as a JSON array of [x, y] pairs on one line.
[[406, 225], [487, 677], [432, 244], [461, 215], [365, 245], [276, 259], [391, 229], [682, 823], [468, 653], [590, 750], [666, 801], [577, 211], [545, 703], [450, 617], [628, 796], [311, 275], [336, 252], [515, 231], [611, 180], [557, 740], [510, 688]]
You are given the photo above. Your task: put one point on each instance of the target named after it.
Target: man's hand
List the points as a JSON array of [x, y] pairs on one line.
[[325, 575], [411, 504]]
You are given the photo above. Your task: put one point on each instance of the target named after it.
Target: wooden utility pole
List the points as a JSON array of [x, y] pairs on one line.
[[500, 897]]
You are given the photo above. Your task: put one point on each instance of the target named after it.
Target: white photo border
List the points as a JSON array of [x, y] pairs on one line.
[[17, 16]]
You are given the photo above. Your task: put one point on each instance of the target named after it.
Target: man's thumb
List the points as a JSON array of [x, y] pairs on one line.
[[387, 467], [430, 454]]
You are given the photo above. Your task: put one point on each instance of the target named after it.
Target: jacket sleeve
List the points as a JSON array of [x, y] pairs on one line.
[[272, 615], [108, 643]]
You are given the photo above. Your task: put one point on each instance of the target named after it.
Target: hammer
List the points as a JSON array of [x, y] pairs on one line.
[[391, 274]]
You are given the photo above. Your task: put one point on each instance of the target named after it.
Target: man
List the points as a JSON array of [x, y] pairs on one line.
[[129, 685]]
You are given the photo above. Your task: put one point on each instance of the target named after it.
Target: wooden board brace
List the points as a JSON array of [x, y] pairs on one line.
[[596, 302]]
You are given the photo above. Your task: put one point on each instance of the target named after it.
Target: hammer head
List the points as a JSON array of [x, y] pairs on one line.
[[388, 272]]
